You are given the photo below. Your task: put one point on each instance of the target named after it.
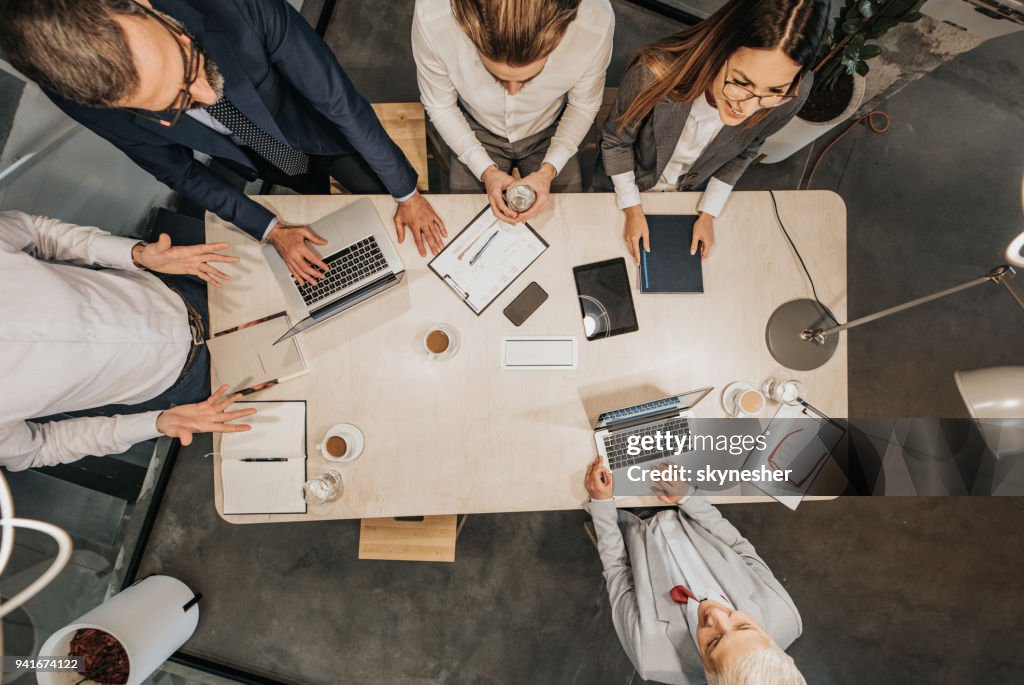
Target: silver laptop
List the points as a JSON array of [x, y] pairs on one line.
[[613, 428], [362, 262]]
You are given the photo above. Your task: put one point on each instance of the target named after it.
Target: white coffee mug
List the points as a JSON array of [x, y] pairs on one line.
[[431, 340], [743, 399], [353, 440]]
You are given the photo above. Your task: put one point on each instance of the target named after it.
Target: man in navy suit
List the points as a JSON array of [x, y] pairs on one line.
[[245, 81]]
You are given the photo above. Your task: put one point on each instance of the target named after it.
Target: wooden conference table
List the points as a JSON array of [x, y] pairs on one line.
[[464, 436]]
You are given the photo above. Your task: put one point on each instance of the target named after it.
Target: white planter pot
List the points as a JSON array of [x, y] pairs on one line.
[[799, 133], [148, 619]]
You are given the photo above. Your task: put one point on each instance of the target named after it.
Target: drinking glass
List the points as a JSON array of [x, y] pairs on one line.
[[325, 488]]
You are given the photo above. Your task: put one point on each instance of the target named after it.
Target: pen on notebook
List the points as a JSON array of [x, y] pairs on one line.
[[482, 249], [273, 459]]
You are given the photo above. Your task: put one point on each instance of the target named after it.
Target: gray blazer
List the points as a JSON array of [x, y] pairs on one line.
[[649, 624], [646, 147]]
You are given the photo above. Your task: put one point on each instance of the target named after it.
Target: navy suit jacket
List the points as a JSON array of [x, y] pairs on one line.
[[283, 77]]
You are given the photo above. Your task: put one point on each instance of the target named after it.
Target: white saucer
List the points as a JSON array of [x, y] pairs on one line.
[[738, 386], [353, 436]]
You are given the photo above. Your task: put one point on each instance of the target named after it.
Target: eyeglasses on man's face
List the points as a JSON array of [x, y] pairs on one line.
[[190, 59]]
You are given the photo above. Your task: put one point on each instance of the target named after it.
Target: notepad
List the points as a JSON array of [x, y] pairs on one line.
[[246, 358], [669, 267], [263, 469]]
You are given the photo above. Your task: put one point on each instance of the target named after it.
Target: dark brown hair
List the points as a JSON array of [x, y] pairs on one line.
[[72, 47], [515, 32], [684, 65]]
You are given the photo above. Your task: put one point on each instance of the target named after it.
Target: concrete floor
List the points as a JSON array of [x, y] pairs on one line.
[[891, 590]]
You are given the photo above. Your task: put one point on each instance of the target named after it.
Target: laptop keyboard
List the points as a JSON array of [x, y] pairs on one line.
[[615, 444], [639, 409], [350, 265]]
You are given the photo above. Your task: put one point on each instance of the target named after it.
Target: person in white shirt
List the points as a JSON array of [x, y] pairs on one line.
[[75, 338], [512, 84], [690, 597], [693, 109]]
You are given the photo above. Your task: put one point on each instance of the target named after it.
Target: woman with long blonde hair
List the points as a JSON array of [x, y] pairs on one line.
[[694, 108]]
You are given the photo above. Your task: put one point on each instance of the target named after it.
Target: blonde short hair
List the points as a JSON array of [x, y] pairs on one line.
[[769, 666], [515, 32]]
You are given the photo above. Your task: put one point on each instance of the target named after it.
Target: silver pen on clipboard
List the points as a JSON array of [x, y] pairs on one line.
[[487, 244]]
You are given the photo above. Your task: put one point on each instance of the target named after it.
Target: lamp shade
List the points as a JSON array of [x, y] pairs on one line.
[[993, 393], [1015, 252]]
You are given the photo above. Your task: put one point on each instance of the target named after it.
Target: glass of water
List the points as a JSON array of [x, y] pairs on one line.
[[325, 488]]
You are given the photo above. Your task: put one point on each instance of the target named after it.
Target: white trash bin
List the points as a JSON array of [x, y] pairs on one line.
[[151, 620]]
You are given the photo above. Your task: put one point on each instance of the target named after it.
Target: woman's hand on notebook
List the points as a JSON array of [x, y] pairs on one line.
[[208, 416], [637, 230], [703, 232]]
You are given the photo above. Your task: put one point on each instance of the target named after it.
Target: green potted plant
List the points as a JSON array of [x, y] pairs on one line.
[[839, 71]]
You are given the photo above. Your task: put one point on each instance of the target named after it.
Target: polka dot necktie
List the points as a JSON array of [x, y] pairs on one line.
[[284, 157]]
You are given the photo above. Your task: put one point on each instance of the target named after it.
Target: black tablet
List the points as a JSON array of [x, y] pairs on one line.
[[605, 298]]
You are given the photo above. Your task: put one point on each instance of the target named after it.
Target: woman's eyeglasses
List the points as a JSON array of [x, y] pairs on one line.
[[183, 101], [737, 93]]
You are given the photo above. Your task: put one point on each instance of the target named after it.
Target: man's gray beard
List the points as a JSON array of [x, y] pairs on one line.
[[214, 78]]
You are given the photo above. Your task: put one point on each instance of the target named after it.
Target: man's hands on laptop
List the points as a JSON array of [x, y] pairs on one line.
[[426, 226], [669, 491], [290, 242], [189, 259], [598, 480], [208, 416]]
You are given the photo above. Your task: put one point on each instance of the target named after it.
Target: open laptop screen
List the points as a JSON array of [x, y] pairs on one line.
[[673, 403]]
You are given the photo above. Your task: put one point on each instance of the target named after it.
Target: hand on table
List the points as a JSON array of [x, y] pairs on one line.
[[540, 181], [703, 232], [290, 242], [190, 259], [495, 182], [207, 416], [598, 480], [426, 226], [636, 230]]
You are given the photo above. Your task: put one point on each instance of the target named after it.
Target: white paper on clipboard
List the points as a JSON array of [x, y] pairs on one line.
[[485, 257]]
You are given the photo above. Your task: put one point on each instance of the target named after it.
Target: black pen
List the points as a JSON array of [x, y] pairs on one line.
[[273, 459]]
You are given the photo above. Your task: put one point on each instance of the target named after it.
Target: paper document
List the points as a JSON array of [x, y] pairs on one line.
[[486, 257]]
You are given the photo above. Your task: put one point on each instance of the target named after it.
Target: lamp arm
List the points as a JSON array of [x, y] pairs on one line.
[[1000, 274]]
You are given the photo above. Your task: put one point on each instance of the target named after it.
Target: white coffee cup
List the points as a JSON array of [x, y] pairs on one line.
[[342, 442], [742, 399], [441, 341]]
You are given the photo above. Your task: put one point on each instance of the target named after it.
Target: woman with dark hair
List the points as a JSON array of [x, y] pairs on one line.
[[693, 109]]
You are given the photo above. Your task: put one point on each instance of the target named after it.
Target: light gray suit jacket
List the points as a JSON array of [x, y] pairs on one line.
[[650, 625], [646, 147]]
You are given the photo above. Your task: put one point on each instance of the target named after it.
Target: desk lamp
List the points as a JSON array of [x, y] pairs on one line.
[[803, 335]]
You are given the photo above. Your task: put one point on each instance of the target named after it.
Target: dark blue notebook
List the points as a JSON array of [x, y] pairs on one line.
[[669, 267]]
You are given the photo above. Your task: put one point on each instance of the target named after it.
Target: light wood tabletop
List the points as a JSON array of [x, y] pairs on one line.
[[465, 436]]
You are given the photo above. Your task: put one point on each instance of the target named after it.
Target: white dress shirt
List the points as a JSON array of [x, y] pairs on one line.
[[702, 125], [449, 70], [75, 338]]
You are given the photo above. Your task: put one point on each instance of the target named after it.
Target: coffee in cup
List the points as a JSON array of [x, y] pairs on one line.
[[438, 341], [336, 446], [750, 401], [441, 341]]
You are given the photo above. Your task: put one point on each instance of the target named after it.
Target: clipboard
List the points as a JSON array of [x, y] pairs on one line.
[[485, 258]]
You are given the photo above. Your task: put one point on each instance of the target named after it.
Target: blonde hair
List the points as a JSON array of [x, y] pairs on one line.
[[684, 65], [769, 666], [515, 32]]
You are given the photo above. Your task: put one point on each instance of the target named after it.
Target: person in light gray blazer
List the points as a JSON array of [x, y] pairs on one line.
[[694, 108], [690, 597]]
